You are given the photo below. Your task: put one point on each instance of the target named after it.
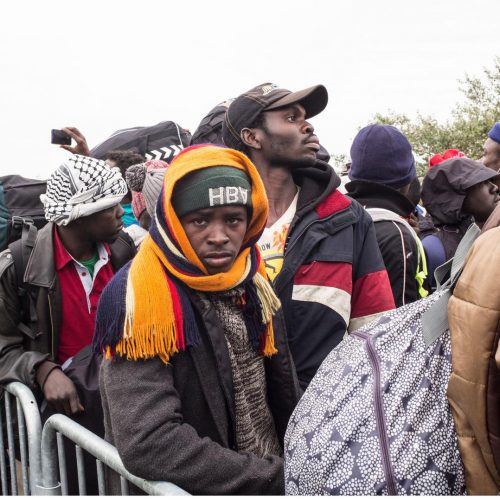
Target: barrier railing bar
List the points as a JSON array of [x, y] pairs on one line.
[[3, 463], [61, 457], [99, 448], [50, 483], [80, 467], [101, 482], [10, 443], [123, 486], [33, 427], [46, 481], [21, 426]]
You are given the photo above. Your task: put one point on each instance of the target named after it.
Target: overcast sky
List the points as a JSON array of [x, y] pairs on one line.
[[105, 65]]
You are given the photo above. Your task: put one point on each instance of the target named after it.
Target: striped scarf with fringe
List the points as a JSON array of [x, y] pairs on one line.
[[145, 311]]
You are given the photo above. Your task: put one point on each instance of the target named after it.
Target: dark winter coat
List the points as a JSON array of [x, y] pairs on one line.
[[176, 422], [333, 277], [23, 347], [397, 244]]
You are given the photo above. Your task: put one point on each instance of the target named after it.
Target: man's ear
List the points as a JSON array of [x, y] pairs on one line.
[[249, 138]]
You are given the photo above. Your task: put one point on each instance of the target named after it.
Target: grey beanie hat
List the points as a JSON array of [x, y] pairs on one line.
[[152, 187], [145, 180]]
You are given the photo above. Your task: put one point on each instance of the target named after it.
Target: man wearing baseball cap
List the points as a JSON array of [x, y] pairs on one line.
[[491, 148], [319, 246]]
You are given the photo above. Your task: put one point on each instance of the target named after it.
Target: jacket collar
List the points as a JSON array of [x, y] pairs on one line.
[[316, 183], [40, 270], [374, 195]]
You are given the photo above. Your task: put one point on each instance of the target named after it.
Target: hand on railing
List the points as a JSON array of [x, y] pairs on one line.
[[60, 392]]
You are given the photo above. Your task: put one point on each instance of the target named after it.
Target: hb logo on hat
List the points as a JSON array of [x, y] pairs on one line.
[[227, 195], [269, 88]]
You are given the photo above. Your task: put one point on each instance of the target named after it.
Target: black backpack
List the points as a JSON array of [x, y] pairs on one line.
[[19, 205], [209, 130], [162, 141]]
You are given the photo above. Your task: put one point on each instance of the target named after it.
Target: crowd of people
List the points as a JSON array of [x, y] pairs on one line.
[[211, 289]]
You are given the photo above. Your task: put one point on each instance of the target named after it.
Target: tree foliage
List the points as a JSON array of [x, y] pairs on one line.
[[466, 130]]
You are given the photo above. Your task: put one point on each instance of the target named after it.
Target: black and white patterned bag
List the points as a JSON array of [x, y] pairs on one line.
[[375, 418]]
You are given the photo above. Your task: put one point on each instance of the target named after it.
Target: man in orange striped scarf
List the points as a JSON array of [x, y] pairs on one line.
[[199, 383]]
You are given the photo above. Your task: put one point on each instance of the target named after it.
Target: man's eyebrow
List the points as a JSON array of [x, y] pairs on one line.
[[296, 108], [236, 212], [204, 211]]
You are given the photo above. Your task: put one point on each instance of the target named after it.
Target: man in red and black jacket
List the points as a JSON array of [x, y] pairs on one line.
[[319, 246]]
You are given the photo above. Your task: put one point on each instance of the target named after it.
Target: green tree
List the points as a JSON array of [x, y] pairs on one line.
[[466, 130], [338, 162]]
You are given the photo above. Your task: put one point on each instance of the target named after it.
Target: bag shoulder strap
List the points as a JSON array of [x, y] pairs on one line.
[[21, 250], [435, 319], [455, 265], [383, 214]]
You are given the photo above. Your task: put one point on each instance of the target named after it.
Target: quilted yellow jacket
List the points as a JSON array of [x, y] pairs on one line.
[[474, 388]]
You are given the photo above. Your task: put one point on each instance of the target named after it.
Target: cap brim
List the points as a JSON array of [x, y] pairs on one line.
[[314, 99], [480, 175]]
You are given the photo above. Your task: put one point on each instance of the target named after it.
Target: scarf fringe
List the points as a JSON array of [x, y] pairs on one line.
[[267, 347], [148, 342], [270, 305], [268, 299], [165, 323], [148, 311]]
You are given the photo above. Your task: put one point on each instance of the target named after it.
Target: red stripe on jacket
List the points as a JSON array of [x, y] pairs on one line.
[[334, 202], [334, 274], [372, 294]]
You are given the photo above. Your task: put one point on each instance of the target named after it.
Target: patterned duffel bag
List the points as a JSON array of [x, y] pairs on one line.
[[375, 419]]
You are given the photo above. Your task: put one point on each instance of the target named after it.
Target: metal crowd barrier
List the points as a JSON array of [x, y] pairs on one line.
[[40, 454], [106, 455], [26, 448]]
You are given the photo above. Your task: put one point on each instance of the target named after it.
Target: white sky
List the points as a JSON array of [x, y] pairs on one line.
[[105, 65]]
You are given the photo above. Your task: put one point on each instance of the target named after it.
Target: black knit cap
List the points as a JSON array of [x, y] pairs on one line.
[[382, 154], [245, 109], [212, 187]]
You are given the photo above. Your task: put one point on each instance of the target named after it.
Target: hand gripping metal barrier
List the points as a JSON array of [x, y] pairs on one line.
[[106, 454], [33, 462]]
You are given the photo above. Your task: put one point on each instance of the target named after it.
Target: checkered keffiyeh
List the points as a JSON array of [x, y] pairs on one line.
[[81, 186]]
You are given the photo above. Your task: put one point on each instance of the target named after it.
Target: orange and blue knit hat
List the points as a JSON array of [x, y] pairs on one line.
[[145, 310]]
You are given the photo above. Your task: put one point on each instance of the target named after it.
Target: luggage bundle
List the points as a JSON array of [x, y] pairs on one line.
[[19, 205], [375, 419], [209, 130], [162, 141]]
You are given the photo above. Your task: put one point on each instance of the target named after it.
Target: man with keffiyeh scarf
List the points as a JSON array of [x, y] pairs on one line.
[[198, 382], [50, 283]]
